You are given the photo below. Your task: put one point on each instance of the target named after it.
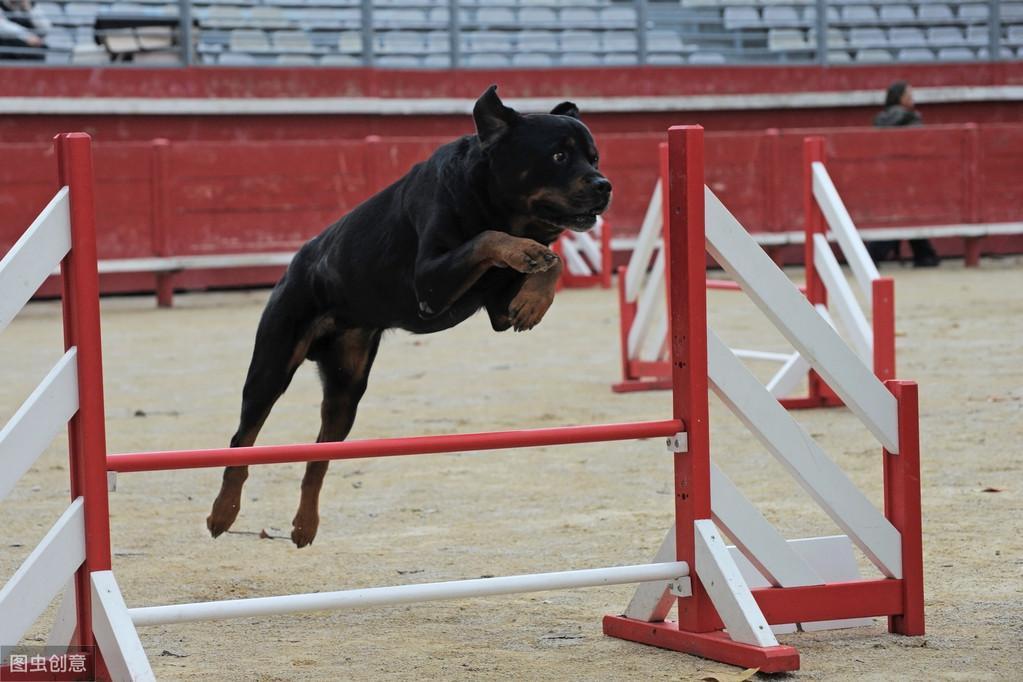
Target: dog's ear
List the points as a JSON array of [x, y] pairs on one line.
[[566, 109], [492, 118]]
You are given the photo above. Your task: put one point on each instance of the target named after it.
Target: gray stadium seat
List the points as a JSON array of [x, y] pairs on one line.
[[349, 41], [864, 14], [580, 41], [836, 37], [1011, 11], [972, 12], [532, 59], [663, 40], [495, 16], [916, 54], [340, 60], [438, 16], [977, 35], [1014, 36], [620, 41], [781, 16], [873, 55], [401, 42], [438, 42], [579, 17], [235, 59], [707, 58], [891, 13], [487, 41], [580, 59], [295, 60], [782, 39], [268, 17], [618, 17], [437, 61], [51, 11], [81, 13], [620, 59], [741, 17], [292, 41], [60, 39], [249, 40], [226, 17], [537, 16], [935, 13], [906, 36], [945, 35], [398, 61], [537, 41], [810, 15], [839, 57], [956, 54], [486, 60], [867, 37], [665, 59]]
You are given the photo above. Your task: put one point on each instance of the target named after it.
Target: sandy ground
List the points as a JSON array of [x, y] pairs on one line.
[[173, 379]]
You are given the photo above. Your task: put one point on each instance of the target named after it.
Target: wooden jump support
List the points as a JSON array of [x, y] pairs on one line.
[[643, 320], [763, 581]]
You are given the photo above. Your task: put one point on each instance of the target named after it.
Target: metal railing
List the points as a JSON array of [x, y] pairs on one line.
[[513, 33]]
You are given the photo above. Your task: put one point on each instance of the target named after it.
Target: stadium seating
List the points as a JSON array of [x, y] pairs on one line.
[[541, 33]]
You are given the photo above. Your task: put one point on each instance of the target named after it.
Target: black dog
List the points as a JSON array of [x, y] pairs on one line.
[[466, 229]]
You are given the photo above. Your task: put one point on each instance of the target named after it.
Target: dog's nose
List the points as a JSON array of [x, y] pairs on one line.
[[600, 184]]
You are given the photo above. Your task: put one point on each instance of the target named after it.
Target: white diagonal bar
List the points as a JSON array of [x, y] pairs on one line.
[[795, 318], [652, 601], [788, 376], [46, 411], [576, 264], [588, 244], [65, 620], [793, 447], [115, 633], [727, 590], [767, 355], [651, 303], [840, 295], [407, 594], [43, 574], [34, 256], [754, 535], [844, 229], [649, 238]]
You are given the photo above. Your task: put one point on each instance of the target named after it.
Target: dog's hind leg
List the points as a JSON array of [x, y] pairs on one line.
[[282, 341], [344, 365]]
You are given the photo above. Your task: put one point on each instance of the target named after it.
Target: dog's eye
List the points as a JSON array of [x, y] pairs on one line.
[[560, 157]]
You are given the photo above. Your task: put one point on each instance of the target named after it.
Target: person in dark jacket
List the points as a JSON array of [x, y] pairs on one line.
[[900, 110]]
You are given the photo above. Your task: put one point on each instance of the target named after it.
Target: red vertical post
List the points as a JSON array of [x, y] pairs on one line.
[[813, 223], [605, 255], [663, 169], [160, 237], [902, 507], [882, 296], [86, 430], [687, 295]]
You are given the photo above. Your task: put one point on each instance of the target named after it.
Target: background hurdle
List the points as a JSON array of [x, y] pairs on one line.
[[587, 256], [643, 328], [123, 651]]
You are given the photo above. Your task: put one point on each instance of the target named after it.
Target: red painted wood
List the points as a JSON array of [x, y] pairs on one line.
[[883, 321], [685, 248], [86, 429], [391, 447], [902, 507], [716, 646]]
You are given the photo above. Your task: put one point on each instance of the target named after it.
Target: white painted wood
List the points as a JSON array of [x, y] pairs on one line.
[[43, 574], [796, 319], [793, 447], [66, 620], [575, 262], [653, 600], [589, 244], [830, 556], [212, 261], [769, 356], [34, 256], [754, 535], [727, 590], [651, 303], [649, 239], [655, 346], [115, 633], [788, 376], [408, 594], [842, 298], [45, 413], [845, 231]]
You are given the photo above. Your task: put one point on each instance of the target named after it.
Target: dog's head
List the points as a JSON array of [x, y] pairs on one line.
[[544, 165]]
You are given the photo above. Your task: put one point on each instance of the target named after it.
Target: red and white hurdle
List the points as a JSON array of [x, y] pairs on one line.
[[643, 320], [587, 256], [789, 581]]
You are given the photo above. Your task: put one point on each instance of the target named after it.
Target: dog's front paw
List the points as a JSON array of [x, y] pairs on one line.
[[532, 257], [528, 308]]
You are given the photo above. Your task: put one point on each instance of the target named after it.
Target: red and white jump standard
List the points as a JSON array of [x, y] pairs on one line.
[[795, 581]]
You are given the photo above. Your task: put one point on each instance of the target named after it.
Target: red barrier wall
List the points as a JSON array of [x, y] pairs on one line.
[[167, 198]]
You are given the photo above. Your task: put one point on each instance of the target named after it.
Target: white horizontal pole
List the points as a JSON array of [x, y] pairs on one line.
[[407, 594], [34, 256], [762, 355], [842, 225]]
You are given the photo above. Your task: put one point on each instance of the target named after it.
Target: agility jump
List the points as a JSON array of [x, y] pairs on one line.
[[694, 568], [641, 287]]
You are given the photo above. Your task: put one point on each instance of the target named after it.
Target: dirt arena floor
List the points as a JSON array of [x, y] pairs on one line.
[[173, 379]]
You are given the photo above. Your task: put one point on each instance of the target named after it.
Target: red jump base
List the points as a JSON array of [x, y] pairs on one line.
[[716, 646]]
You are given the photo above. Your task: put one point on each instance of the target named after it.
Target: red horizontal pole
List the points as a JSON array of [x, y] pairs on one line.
[[833, 601], [390, 447]]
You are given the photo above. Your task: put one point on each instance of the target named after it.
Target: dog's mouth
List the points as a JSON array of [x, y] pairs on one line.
[[577, 222]]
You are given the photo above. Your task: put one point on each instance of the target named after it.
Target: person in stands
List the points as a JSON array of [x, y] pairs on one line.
[[900, 110], [22, 28]]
